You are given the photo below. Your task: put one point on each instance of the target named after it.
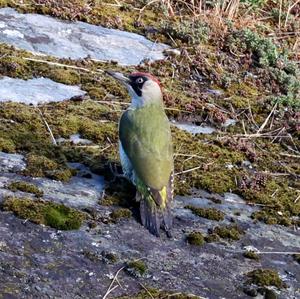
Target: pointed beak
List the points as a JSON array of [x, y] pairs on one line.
[[119, 76]]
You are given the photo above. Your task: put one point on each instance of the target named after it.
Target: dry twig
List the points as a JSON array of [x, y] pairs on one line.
[[188, 170], [267, 119], [146, 290], [289, 155], [111, 286], [288, 12], [47, 125], [63, 65]]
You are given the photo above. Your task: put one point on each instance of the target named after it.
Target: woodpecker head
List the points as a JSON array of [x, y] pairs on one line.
[[143, 88]]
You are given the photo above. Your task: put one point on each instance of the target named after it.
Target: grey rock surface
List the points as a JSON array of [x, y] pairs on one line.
[[36, 91], [40, 262], [202, 129], [194, 129], [79, 192], [11, 162], [75, 40], [74, 139]]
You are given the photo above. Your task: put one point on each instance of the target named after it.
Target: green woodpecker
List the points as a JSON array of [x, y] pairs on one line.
[[146, 150]]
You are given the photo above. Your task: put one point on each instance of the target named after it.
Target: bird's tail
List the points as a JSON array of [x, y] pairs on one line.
[[155, 212]]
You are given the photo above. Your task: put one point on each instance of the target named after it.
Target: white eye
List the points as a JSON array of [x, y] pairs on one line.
[[139, 80]]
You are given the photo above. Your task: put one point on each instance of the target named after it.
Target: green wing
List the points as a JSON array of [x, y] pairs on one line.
[[146, 139]]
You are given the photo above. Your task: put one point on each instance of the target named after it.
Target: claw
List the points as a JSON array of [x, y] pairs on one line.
[[116, 174]]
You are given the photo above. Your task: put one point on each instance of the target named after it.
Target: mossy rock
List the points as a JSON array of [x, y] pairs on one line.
[[43, 212], [282, 206], [195, 238], [230, 232], [216, 178], [41, 166], [271, 216], [63, 218], [136, 268], [38, 166], [120, 214], [160, 294], [265, 277], [7, 145], [109, 257], [110, 200], [25, 187], [64, 76], [209, 213], [211, 238], [251, 255], [63, 175], [99, 132], [92, 256], [14, 67], [218, 181]]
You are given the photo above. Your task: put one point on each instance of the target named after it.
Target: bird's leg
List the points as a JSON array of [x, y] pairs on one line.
[[115, 173]]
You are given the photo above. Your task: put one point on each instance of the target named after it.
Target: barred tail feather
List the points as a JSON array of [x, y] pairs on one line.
[[167, 220], [154, 217], [149, 216]]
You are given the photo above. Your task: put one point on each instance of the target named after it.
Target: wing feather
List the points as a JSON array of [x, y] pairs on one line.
[[145, 136]]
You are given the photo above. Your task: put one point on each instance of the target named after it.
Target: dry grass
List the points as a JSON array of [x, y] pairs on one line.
[[244, 14], [227, 8], [276, 19]]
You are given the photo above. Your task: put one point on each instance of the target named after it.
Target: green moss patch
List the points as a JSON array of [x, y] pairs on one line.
[[209, 213], [110, 200], [40, 166], [212, 176], [230, 232], [136, 268], [120, 213], [271, 216], [160, 294], [276, 194], [265, 277], [25, 187], [211, 238], [251, 255], [7, 145], [41, 212], [195, 238], [109, 257]]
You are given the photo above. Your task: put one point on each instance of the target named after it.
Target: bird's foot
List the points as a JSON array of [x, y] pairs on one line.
[[116, 174]]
